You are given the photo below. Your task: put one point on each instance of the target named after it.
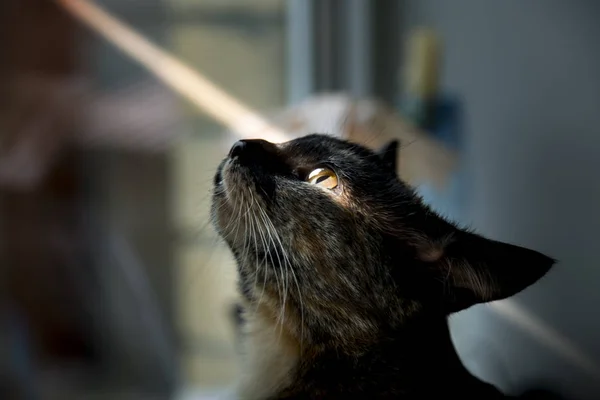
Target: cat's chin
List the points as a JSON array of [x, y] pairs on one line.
[[234, 184]]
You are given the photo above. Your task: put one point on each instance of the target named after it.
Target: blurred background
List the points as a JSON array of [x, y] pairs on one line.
[[112, 283]]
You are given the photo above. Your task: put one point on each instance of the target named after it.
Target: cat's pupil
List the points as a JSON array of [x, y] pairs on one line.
[[322, 178]]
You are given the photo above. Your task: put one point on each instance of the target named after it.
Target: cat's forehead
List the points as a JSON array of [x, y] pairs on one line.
[[320, 148]]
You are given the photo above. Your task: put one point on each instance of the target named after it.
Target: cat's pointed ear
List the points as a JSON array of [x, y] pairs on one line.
[[475, 269], [389, 154]]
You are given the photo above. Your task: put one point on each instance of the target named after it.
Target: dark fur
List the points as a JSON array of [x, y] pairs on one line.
[[366, 275]]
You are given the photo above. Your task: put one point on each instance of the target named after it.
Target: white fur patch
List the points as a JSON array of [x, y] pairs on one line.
[[270, 356]]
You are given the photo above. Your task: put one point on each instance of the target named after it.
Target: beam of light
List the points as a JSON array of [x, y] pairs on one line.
[[516, 314], [208, 97]]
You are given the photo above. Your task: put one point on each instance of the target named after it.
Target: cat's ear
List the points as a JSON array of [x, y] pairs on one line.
[[475, 269], [389, 154]]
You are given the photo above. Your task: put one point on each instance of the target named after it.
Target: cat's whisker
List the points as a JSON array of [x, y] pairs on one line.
[[198, 231], [287, 264], [232, 221], [237, 216], [246, 221], [260, 230], [253, 233], [237, 220], [301, 304], [269, 235], [283, 255], [281, 290], [284, 293]]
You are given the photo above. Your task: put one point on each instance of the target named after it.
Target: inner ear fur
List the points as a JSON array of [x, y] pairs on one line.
[[479, 270]]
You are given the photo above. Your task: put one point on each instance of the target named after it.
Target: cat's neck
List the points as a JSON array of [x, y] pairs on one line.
[[414, 362]]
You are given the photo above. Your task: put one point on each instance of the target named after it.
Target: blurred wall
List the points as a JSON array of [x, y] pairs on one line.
[[129, 192], [43, 255], [529, 75]]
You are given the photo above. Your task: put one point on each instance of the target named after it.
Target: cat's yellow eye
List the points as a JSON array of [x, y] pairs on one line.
[[323, 177]]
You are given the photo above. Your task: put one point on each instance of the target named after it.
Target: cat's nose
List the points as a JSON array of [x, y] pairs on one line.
[[237, 148], [252, 148]]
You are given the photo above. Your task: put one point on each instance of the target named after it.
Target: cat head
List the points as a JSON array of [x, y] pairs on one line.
[[338, 248]]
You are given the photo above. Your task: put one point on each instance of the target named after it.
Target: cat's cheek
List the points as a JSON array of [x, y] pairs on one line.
[[339, 196], [226, 224], [323, 197], [344, 199]]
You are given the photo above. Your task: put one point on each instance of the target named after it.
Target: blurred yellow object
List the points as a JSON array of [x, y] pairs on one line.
[[422, 67]]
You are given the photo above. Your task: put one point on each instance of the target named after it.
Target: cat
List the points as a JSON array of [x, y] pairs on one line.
[[347, 278]]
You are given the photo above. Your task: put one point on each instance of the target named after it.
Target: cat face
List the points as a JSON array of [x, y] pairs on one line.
[[329, 240]]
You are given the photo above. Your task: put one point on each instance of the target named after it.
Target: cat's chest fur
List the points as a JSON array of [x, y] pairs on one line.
[[274, 366]]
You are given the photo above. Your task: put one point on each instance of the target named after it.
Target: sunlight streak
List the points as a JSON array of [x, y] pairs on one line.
[[546, 335], [208, 97]]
